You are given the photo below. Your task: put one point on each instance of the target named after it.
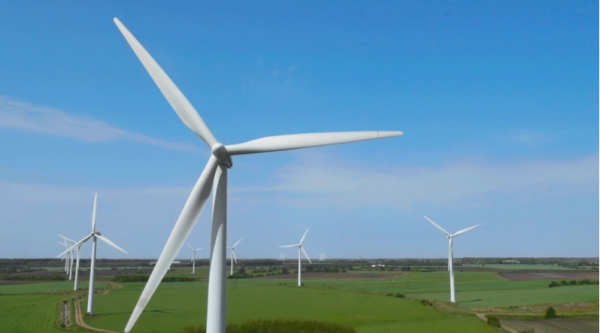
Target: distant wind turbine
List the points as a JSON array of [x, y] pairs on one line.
[[450, 256], [214, 173], [322, 256], [300, 248], [194, 257], [77, 250], [94, 236], [233, 254]]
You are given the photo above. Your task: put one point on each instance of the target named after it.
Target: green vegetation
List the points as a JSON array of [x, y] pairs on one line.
[[550, 313], [492, 321], [280, 325], [33, 278], [571, 283], [145, 277]]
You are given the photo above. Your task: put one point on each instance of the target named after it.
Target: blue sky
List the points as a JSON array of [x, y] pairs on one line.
[[498, 101]]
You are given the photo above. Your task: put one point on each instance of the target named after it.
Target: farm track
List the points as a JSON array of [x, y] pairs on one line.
[[482, 317], [79, 316]]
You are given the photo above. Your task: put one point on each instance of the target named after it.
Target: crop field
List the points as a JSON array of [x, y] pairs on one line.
[[555, 325], [33, 307], [362, 299], [184, 304], [518, 267]]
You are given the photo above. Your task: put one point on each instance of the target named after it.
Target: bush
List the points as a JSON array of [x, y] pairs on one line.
[[550, 313], [400, 295], [280, 326], [493, 321], [425, 302]]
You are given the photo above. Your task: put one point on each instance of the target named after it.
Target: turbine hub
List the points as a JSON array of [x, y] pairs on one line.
[[220, 152]]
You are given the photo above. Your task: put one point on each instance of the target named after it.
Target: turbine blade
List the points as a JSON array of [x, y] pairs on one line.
[[237, 243], [200, 248], [188, 217], [306, 254], [290, 245], [233, 255], [302, 240], [107, 241], [437, 226], [189, 246], [75, 245], [297, 141], [63, 237], [174, 96], [94, 213], [465, 230]]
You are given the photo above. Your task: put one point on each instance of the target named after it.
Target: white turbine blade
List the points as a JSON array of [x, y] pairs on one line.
[[189, 246], [200, 248], [302, 240], [237, 243], [297, 141], [94, 213], [465, 230], [174, 96], [107, 241], [437, 226], [63, 237], [290, 245], [306, 254], [233, 255], [75, 245], [63, 244], [186, 221]]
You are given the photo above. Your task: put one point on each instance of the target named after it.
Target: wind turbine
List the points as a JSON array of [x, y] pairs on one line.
[[94, 236], [214, 173], [194, 257], [450, 256], [233, 254], [322, 256], [300, 248], [67, 259], [66, 242], [77, 250]]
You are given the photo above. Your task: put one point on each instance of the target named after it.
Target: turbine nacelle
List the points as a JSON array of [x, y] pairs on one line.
[[221, 153]]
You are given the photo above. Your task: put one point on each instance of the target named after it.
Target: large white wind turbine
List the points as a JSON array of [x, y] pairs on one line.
[[94, 236], [77, 251], [214, 176], [300, 248], [194, 257], [450, 256], [233, 258]]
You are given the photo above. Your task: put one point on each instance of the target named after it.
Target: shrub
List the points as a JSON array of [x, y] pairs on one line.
[[493, 321], [400, 295], [425, 302], [550, 313]]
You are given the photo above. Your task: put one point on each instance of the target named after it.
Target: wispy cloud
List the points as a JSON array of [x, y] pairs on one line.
[[529, 138], [27, 117], [461, 184]]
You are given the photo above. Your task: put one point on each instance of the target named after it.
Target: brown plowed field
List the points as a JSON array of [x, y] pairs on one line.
[[546, 275]]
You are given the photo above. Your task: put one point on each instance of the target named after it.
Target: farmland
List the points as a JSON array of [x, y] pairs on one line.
[[363, 298]]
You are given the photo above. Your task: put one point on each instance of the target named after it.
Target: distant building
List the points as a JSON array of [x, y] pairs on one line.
[[511, 261]]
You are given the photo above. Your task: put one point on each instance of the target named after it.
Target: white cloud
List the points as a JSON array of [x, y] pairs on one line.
[[463, 184], [24, 116]]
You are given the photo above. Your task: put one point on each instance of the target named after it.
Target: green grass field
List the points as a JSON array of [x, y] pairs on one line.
[[177, 305], [33, 308], [359, 302], [518, 267]]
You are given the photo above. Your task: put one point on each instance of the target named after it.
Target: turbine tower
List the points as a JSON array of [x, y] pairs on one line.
[[450, 256], [233, 254], [66, 239], [194, 257], [300, 248], [94, 236], [214, 176]]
